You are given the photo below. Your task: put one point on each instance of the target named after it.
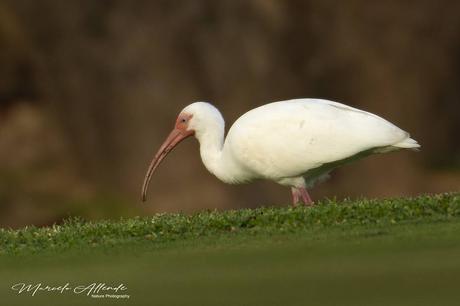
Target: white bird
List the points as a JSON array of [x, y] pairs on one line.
[[295, 143]]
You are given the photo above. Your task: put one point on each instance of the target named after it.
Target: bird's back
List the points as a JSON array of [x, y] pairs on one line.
[[289, 138]]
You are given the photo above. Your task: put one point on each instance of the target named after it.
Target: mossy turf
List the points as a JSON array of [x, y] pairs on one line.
[[76, 234], [364, 252]]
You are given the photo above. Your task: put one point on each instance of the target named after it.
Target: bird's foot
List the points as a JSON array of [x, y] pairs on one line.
[[301, 196]]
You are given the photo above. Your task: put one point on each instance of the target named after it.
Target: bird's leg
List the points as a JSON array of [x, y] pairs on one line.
[[295, 196], [300, 195], [306, 197]]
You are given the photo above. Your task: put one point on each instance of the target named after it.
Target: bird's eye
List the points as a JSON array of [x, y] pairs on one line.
[[183, 120]]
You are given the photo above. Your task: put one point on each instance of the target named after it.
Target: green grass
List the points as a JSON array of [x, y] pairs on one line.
[[365, 252], [154, 232]]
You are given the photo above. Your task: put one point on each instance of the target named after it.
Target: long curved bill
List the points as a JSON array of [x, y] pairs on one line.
[[174, 138]]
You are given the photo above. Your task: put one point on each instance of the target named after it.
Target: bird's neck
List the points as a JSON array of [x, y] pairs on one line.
[[211, 151]]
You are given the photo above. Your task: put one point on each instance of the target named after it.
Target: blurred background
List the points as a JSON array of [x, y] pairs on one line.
[[89, 90]]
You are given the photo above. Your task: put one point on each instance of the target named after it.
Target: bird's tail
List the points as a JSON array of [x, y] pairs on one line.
[[408, 143]]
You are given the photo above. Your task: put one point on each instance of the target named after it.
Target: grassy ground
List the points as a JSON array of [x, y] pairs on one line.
[[382, 252]]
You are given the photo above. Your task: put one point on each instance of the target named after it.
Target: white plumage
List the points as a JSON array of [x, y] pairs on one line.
[[295, 142]]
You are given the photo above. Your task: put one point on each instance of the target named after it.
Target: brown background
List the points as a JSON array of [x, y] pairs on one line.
[[89, 89]]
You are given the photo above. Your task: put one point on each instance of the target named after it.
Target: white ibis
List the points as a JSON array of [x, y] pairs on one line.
[[295, 143]]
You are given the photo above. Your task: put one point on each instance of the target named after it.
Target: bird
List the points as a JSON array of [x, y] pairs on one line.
[[295, 143]]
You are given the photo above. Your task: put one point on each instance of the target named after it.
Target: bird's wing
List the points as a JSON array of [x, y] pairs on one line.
[[288, 138]]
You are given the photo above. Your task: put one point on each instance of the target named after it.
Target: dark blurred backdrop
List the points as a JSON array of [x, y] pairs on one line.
[[89, 89]]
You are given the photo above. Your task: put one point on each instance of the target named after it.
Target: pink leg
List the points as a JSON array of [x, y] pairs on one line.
[[300, 195], [306, 197], [295, 196]]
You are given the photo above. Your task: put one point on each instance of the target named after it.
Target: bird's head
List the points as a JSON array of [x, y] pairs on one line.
[[194, 120]]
